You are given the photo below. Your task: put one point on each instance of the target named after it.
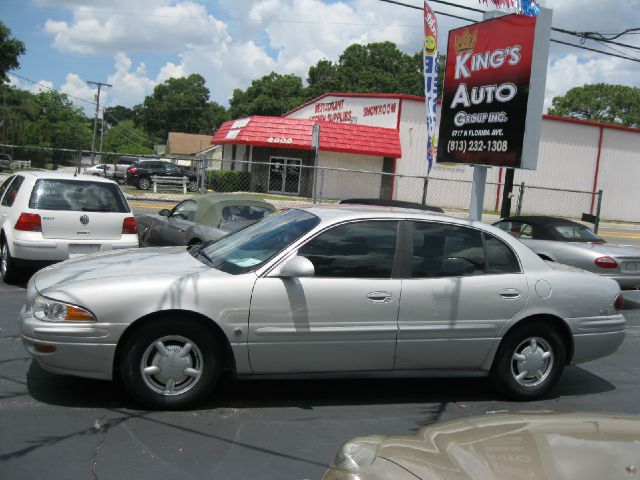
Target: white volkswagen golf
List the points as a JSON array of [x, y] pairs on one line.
[[47, 217]]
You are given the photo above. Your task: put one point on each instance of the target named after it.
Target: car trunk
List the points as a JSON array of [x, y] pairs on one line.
[[79, 210]]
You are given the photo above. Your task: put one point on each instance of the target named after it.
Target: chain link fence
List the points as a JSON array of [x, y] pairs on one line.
[[293, 182]]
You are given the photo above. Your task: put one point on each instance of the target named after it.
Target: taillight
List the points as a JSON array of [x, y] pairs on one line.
[[29, 222], [129, 226], [605, 262], [618, 303], [132, 169]]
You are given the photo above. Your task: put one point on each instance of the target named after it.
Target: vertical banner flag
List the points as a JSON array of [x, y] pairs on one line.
[[431, 81]]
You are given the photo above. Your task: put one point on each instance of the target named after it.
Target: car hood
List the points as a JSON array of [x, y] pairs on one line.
[[136, 263], [532, 446]]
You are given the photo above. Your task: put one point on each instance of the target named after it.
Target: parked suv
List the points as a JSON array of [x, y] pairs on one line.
[[47, 217], [139, 174]]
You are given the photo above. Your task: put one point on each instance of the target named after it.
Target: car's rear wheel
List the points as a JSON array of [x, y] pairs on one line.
[[529, 362], [193, 186], [144, 183], [170, 363], [8, 268]]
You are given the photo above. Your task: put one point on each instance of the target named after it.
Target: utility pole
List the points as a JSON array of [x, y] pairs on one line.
[[95, 120]]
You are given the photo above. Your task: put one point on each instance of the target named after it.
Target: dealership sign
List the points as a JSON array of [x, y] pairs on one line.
[[494, 92]]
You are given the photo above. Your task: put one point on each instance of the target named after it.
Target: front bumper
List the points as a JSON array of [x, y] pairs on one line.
[[82, 349]]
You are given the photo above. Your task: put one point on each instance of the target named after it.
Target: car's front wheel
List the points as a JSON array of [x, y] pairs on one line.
[[144, 183], [7, 264], [193, 186], [170, 363], [529, 362]]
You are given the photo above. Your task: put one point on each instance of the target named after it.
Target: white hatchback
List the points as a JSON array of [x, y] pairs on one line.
[[47, 217]]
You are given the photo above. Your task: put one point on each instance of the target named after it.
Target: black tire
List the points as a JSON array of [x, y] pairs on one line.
[[8, 268], [120, 181], [151, 389], [193, 186], [531, 342], [144, 183]]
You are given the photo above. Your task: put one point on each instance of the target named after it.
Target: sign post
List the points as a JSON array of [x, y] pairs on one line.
[[494, 94], [315, 144]]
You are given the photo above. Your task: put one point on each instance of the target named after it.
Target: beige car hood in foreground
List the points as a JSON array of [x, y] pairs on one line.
[[121, 266], [521, 446]]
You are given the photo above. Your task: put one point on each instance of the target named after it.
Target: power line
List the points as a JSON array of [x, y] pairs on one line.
[[51, 88], [396, 2]]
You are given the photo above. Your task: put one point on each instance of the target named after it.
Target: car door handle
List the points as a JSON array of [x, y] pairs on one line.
[[380, 297], [509, 293]]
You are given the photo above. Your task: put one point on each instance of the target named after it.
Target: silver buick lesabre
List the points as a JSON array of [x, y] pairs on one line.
[[326, 291]]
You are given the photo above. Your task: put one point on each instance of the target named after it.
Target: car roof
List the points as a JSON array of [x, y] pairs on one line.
[[216, 197], [540, 220], [46, 174], [336, 212]]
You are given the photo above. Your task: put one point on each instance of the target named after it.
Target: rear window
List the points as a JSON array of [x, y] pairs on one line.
[[77, 196], [576, 233]]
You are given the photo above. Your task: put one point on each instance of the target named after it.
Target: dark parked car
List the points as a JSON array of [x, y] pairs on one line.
[[201, 218], [5, 161], [139, 174]]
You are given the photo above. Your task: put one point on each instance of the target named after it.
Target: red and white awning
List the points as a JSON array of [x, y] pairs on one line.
[[296, 133]]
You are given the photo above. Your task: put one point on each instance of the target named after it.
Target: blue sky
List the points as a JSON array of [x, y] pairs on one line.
[[134, 44]]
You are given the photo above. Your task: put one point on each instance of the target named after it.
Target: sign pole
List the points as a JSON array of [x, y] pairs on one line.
[[477, 192], [315, 144]]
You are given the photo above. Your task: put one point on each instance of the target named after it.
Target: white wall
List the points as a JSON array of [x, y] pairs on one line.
[[619, 175], [340, 185]]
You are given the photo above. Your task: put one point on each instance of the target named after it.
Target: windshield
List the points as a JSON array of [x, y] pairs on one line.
[[78, 196], [248, 249], [576, 233]]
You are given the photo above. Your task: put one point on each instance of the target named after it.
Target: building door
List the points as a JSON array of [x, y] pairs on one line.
[[284, 175]]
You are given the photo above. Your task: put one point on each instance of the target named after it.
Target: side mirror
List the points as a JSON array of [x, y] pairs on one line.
[[296, 266], [164, 212]]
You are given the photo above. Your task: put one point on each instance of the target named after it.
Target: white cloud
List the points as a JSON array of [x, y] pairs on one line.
[[573, 71], [41, 86], [289, 36], [82, 94], [153, 25], [129, 87]]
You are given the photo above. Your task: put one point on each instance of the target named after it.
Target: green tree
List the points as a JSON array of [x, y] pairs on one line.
[[125, 137], [177, 105], [273, 94], [118, 113], [10, 50], [372, 68], [58, 124], [615, 104]]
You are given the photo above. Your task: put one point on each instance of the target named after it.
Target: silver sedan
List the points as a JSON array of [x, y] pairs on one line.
[[564, 241], [325, 291]]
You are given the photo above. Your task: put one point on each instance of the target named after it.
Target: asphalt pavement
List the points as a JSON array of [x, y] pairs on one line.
[[56, 427]]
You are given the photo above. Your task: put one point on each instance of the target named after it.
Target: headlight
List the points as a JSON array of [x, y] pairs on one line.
[[55, 311], [358, 453]]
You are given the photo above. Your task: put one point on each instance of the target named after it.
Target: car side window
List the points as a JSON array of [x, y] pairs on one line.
[[516, 229], [5, 185], [500, 257], [12, 192], [240, 213], [354, 250], [170, 167], [186, 210], [442, 250]]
